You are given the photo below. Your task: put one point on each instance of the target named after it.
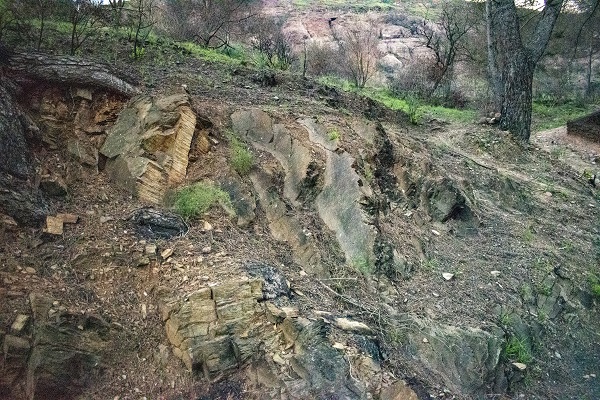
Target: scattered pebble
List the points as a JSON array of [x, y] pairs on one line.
[[206, 249], [425, 340], [520, 366], [436, 233], [166, 253], [447, 276], [495, 273]]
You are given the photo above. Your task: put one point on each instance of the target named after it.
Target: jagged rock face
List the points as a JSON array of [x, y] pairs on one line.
[[258, 127], [57, 358], [219, 329], [464, 358], [147, 148]]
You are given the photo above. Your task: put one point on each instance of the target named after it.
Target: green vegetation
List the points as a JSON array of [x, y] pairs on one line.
[[241, 159], [410, 104], [595, 285], [431, 264], [363, 265], [548, 115], [334, 135], [194, 200], [358, 6], [528, 234], [517, 350]]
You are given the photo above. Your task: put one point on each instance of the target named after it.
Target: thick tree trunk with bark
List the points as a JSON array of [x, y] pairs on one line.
[[19, 197], [513, 62], [69, 70]]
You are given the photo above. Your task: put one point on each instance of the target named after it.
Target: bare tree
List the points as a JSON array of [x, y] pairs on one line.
[[272, 43], [25, 12], [447, 38], [142, 19], [209, 22], [85, 17], [358, 45]]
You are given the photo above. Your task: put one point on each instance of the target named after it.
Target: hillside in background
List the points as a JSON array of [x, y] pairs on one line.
[[231, 223]]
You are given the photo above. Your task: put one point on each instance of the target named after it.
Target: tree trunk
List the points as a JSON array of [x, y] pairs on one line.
[[70, 70], [494, 76], [517, 61], [18, 197], [517, 97]]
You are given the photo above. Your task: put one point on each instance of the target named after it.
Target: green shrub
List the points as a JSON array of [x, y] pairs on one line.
[[198, 198], [517, 350], [595, 285], [242, 159], [334, 135]]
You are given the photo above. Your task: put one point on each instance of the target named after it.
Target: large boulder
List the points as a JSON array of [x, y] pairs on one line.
[[147, 148], [465, 359]]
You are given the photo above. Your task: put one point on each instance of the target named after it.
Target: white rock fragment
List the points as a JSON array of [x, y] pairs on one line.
[[346, 324], [447, 276], [495, 274], [520, 366], [166, 253]]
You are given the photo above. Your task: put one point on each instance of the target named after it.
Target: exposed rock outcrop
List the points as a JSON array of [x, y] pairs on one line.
[[224, 328], [19, 197], [56, 359], [148, 146]]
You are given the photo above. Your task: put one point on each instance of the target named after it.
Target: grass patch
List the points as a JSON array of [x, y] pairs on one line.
[[241, 158], [412, 106], [334, 135], [363, 265], [595, 286], [357, 6], [547, 116], [195, 200], [231, 56], [517, 350]]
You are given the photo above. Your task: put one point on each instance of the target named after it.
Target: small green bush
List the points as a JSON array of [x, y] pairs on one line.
[[595, 285], [334, 135], [242, 159], [517, 350], [198, 198]]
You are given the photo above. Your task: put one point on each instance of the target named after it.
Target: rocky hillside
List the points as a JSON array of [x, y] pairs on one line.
[[357, 256]]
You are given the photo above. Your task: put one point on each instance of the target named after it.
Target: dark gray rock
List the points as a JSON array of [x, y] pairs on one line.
[[157, 224], [275, 283]]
